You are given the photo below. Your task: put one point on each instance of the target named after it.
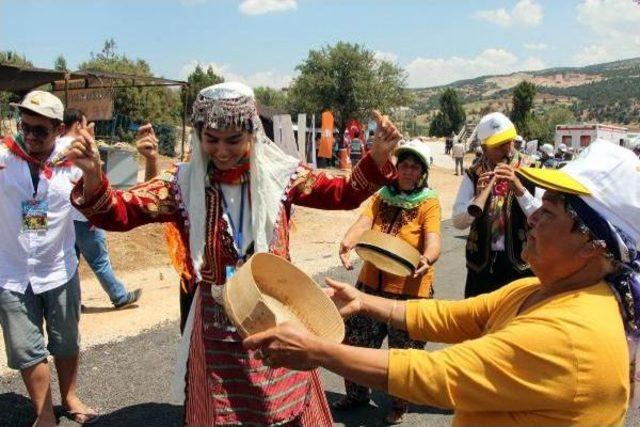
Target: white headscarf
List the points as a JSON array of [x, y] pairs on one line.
[[221, 106]]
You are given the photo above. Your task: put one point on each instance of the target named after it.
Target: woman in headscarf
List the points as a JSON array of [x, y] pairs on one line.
[[409, 209], [234, 197]]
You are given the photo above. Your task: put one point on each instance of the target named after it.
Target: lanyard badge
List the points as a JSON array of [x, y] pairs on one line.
[[34, 216]]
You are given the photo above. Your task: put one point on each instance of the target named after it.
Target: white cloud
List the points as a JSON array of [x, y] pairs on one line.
[[385, 56], [615, 27], [425, 72], [497, 17], [263, 78], [260, 7], [536, 46], [526, 13], [532, 64]]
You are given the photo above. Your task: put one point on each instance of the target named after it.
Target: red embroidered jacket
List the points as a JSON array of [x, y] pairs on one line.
[[159, 200]]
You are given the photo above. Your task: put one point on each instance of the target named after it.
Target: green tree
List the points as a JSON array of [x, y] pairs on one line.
[[198, 80], [451, 116], [543, 127], [60, 64], [348, 80], [156, 104], [522, 103], [11, 57], [270, 97]]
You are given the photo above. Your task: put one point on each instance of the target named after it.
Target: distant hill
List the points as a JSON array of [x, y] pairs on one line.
[[608, 92]]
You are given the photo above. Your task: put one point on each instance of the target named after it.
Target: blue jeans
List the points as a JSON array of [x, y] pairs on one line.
[[91, 243]]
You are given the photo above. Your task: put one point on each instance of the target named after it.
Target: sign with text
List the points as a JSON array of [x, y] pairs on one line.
[[96, 104]]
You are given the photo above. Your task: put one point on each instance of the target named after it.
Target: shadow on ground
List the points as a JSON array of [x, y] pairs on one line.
[[144, 414], [16, 410]]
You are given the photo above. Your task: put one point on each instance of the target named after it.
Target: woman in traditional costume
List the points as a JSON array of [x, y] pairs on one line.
[[234, 197], [410, 210]]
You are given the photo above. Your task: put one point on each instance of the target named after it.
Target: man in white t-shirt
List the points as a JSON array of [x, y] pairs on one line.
[[38, 265], [457, 152]]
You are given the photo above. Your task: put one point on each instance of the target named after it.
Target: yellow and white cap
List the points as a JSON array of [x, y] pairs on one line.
[[495, 129], [43, 103], [604, 175]]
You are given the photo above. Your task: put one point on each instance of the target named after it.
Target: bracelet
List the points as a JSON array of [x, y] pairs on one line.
[[393, 309]]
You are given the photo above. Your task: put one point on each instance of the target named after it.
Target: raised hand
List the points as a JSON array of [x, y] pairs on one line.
[[347, 298], [83, 151], [505, 172], [287, 345], [343, 253], [385, 139], [147, 142], [423, 266]]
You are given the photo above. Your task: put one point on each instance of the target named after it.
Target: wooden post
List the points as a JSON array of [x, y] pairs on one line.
[[184, 120], [66, 90]]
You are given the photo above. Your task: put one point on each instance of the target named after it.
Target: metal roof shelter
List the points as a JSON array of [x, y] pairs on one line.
[[23, 79]]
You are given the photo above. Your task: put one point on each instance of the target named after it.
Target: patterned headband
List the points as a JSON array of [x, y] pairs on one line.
[[220, 107]]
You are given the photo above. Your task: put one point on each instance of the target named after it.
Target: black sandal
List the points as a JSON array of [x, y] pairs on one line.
[[349, 402]]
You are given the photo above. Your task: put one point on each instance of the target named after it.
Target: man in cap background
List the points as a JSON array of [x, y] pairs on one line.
[[38, 266], [497, 236], [547, 159]]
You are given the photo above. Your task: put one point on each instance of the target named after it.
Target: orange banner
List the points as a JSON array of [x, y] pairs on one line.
[[326, 140]]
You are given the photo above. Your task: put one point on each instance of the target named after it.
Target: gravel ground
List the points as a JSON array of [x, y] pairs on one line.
[[129, 382]]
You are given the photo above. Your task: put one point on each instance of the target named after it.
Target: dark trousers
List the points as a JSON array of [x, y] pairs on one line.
[[362, 331], [498, 273]]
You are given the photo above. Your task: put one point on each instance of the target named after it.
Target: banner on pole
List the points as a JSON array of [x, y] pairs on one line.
[[326, 140]]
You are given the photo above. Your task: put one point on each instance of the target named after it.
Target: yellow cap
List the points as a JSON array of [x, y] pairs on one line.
[[500, 138], [495, 129], [554, 179]]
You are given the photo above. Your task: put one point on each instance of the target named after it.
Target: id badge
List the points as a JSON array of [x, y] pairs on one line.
[[229, 271], [34, 216]]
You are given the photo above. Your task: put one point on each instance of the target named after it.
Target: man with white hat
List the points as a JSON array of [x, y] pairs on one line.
[[547, 159], [546, 350], [497, 235], [38, 265]]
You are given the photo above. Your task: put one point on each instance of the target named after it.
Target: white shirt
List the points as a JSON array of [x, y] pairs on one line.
[[466, 193], [457, 152], [46, 259]]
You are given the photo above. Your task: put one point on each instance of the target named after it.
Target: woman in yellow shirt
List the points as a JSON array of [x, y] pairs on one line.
[[410, 210], [547, 350]]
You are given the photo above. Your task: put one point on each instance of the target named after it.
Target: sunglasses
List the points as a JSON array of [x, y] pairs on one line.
[[37, 131]]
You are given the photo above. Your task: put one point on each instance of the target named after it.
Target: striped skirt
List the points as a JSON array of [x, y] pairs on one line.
[[228, 385]]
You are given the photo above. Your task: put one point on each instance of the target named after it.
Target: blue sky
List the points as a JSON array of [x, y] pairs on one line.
[[261, 41]]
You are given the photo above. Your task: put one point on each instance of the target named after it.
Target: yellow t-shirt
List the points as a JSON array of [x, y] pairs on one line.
[[564, 361], [411, 225]]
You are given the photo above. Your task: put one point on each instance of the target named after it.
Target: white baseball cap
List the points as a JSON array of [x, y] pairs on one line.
[[547, 149], [417, 147], [495, 129], [43, 103], [606, 176]]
